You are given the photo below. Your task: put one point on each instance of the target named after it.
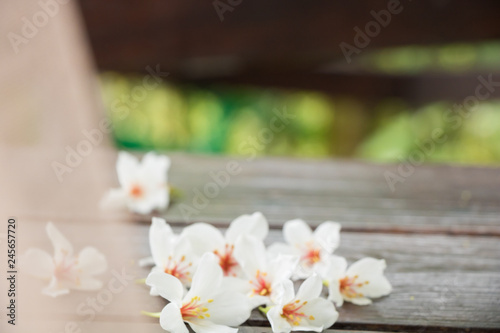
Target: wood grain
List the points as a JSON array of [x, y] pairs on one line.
[[441, 283], [464, 200]]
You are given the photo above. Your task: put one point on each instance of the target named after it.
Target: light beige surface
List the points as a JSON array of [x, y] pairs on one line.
[[48, 96]]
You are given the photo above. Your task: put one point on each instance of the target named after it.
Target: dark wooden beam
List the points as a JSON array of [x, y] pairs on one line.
[[416, 90], [283, 34]]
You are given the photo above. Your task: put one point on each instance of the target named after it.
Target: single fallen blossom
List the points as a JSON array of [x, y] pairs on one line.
[[313, 248], [262, 272], [207, 307], [143, 184], [306, 311], [357, 284], [171, 254], [63, 270], [206, 238]]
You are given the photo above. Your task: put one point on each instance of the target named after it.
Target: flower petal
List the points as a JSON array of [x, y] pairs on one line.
[[334, 293], [359, 300], [310, 289], [160, 198], [126, 168], [154, 168], [283, 293], [55, 289], [334, 269], [207, 278], [255, 225], [278, 323], [371, 270], [143, 206], [281, 248], [207, 326], [62, 247], [204, 237], [91, 261], [166, 285], [323, 315], [114, 199], [282, 267], [229, 308], [296, 232], [171, 319], [38, 263], [160, 237], [250, 254], [327, 234]]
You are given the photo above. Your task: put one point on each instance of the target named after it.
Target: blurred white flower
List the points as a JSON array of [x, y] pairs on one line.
[[63, 270], [262, 272], [171, 254], [206, 238], [306, 311], [313, 248], [207, 307], [143, 184], [361, 281]]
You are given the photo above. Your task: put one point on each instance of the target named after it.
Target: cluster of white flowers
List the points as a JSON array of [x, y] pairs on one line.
[[213, 280]]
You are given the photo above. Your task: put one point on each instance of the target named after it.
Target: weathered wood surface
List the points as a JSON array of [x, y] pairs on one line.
[[441, 283], [441, 245], [434, 199]]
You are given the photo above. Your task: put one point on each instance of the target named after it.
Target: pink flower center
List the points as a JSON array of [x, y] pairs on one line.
[[65, 270], [312, 256], [136, 191], [195, 309], [260, 284], [348, 286], [226, 260], [292, 313], [179, 269]]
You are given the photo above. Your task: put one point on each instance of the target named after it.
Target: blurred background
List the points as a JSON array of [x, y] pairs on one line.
[[364, 81], [370, 81]]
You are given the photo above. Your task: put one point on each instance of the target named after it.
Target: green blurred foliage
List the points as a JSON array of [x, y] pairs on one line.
[[218, 120], [473, 138], [225, 119], [457, 57]]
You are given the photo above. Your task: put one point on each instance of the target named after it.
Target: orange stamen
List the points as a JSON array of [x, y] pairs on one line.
[[136, 191], [226, 260]]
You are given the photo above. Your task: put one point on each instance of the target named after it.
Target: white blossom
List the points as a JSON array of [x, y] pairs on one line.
[[206, 238], [143, 185], [262, 272], [313, 248], [207, 307], [63, 270], [357, 284], [306, 311]]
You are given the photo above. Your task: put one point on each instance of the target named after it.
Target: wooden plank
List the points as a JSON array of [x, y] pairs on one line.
[[45, 326], [441, 283], [465, 200]]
